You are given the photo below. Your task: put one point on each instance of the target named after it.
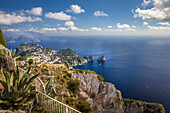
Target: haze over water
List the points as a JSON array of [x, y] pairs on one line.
[[138, 66]]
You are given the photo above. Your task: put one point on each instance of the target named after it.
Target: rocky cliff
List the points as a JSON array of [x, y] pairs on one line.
[[105, 98]]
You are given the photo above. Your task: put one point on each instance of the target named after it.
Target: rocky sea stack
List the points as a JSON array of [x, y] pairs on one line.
[[90, 58], [101, 59]]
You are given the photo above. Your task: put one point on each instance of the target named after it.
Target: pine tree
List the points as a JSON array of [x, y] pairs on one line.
[[2, 39]]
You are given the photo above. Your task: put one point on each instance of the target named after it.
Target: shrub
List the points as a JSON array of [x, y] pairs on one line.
[[42, 109], [45, 71], [84, 107], [65, 76], [63, 80], [30, 61], [100, 77], [73, 86], [69, 75]]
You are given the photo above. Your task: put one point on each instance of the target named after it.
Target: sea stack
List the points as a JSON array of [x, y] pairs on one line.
[[90, 58], [101, 59]]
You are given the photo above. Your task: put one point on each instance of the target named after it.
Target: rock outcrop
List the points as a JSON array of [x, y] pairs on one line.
[[105, 98]]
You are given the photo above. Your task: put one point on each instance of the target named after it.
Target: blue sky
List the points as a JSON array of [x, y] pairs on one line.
[[86, 17]]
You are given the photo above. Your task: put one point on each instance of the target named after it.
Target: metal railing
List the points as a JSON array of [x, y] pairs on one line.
[[54, 106], [51, 104]]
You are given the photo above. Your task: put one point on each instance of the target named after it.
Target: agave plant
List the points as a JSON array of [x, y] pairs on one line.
[[49, 89], [16, 91]]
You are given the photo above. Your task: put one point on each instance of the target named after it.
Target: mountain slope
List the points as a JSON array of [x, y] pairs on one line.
[[20, 38], [47, 55]]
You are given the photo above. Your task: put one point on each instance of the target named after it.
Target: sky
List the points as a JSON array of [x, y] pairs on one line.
[[86, 17]]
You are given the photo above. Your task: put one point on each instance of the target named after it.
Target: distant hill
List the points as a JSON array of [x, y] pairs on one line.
[[48, 55], [20, 38]]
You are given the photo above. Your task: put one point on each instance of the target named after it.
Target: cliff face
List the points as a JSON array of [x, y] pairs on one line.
[[105, 98]]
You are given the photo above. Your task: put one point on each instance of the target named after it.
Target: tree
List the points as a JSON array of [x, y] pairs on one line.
[[16, 91], [2, 39]]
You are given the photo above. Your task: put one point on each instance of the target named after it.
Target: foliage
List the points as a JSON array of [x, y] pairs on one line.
[[49, 88], [69, 75], [2, 39], [42, 109], [73, 86], [15, 93], [84, 107], [45, 71], [100, 77], [30, 61], [158, 108]]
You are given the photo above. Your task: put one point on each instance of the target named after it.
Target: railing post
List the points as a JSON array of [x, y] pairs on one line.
[[66, 109]]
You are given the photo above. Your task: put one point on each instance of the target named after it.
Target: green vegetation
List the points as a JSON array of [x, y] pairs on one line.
[[84, 107], [2, 39], [41, 109], [100, 77], [73, 86], [45, 71], [158, 108], [16, 91], [31, 61], [49, 89]]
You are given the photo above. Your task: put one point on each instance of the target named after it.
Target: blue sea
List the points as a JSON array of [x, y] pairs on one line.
[[138, 66]]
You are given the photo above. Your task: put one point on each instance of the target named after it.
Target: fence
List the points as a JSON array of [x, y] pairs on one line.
[[53, 105]]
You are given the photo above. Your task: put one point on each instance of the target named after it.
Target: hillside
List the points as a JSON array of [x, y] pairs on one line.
[[47, 55], [19, 38], [77, 88]]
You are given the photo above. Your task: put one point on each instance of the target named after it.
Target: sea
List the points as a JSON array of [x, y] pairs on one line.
[[138, 66]]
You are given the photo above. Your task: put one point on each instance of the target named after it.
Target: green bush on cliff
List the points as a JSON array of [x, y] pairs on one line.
[[2, 39], [73, 86], [84, 107], [100, 77]]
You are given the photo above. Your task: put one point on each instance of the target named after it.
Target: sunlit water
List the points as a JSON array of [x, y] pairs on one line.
[[138, 66]]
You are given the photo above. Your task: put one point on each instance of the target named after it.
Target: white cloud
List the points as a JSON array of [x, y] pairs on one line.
[[164, 23], [12, 30], [145, 23], [58, 16], [35, 30], [159, 28], [73, 28], [123, 26], [62, 29], [133, 26], [69, 24], [129, 30], [96, 28], [100, 13], [146, 3], [35, 11], [159, 11], [58, 24], [75, 9], [13, 18], [49, 29], [112, 30], [109, 26]]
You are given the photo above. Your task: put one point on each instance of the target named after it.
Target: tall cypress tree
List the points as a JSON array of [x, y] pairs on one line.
[[2, 39]]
